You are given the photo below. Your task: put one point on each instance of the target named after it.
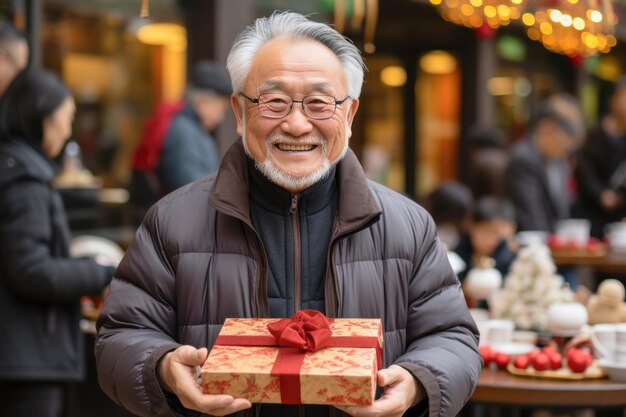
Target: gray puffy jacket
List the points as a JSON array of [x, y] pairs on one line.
[[197, 260]]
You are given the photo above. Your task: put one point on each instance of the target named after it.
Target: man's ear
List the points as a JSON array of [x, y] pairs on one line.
[[354, 106], [237, 107]]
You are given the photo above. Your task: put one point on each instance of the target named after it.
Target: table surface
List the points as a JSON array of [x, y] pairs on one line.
[[501, 387], [610, 261]]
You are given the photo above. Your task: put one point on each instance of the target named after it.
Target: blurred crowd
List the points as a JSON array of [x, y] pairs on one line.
[[561, 169]]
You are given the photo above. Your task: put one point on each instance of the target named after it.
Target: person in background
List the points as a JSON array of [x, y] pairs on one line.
[[13, 54], [601, 167], [489, 233], [538, 175], [189, 150], [288, 222], [488, 160], [450, 204], [41, 347]]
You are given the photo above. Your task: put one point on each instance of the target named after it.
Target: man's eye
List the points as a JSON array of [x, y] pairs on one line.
[[317, 101]]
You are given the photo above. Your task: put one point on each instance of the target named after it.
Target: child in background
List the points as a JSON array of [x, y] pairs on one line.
[[450, 205], [488, 235]]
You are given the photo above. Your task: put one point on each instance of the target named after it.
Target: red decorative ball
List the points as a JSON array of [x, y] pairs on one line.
[[485, 32], [577, 61]]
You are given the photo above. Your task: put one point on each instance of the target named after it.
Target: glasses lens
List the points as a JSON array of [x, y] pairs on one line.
[[319, 107], [274, 105]]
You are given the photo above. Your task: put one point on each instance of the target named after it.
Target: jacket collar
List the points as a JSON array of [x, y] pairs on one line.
[[357, 206], [276, 199], [34, 164]]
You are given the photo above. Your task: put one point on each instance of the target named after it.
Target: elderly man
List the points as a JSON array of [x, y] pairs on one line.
[[288, 222], [537, 177]]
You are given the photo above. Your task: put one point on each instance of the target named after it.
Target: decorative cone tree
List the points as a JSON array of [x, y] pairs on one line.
[[530, 288]]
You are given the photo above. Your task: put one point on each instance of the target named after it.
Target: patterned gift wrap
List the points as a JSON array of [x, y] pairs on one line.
[[341, 374]]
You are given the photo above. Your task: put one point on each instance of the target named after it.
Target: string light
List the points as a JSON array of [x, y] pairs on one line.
[[570, 27], [476, 13]]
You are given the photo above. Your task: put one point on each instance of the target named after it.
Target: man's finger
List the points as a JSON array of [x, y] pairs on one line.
[[237, 405], [190, 356], [389, 376], [195, 400]]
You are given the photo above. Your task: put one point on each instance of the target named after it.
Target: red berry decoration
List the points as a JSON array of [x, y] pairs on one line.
[[521, 362], [502, 360], [549, 350], [556, 360], [487, 354], [578, 361], [541, 361], [533, 354]]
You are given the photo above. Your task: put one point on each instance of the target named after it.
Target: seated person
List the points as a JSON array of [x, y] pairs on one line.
[[492, 220], [450, 205]]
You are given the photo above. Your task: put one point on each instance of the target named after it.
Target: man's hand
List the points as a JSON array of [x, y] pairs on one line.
[[177, 372], [610, 200], [402, 391]]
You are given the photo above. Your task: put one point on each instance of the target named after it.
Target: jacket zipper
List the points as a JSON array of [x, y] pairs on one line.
[[297, 249]]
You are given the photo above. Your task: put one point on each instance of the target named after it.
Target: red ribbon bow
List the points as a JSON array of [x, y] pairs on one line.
[[306, 330]]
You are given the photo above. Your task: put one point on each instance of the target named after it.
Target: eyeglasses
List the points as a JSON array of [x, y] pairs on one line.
[[277, 106]]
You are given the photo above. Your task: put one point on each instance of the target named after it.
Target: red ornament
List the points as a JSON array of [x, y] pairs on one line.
[[485, 32], [577, 60]]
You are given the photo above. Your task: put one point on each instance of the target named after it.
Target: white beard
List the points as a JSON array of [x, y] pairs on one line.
[[285, 180]]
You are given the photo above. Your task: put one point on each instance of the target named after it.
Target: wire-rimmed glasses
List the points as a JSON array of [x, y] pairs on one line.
[[277, 105]]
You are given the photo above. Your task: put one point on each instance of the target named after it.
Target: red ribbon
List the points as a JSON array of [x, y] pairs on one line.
[[307, 330]]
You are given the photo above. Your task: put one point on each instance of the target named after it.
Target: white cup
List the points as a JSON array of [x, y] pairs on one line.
[[604, 341], [573, 230], [620, 343], [620, 336], [497, 331], [566, 318]]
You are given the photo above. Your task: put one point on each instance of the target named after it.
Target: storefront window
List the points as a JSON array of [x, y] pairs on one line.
[[438, 95], [116, 75], [381, 118]]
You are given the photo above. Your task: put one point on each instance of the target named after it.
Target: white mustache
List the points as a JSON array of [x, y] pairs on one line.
[[274, 139]]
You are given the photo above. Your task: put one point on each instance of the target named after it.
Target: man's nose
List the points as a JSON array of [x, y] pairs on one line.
[[296, 123]]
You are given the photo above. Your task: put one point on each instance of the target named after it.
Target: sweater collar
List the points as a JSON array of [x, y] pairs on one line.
[[357, 206]]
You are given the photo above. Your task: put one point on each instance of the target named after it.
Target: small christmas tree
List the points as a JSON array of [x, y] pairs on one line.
[[530, 288]]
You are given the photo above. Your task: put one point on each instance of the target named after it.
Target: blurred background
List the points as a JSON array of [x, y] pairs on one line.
[[429, 81]]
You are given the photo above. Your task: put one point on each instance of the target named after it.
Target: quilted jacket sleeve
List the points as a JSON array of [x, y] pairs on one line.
[[442, 339], [27, 234], [137, 325]]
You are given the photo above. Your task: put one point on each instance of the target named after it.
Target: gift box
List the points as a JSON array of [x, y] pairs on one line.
[[308, 359]]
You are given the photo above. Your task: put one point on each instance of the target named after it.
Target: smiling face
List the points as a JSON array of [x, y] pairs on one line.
[[295, 151]]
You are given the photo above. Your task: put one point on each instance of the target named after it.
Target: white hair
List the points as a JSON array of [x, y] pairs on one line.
[[294, 26]]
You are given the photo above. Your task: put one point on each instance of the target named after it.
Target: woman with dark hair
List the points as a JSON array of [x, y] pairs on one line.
[[41, 348]]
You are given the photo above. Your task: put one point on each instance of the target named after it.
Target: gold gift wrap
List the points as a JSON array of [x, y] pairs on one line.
[[338, 375]]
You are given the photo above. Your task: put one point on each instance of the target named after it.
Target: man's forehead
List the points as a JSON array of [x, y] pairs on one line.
[[281, 85], [284, 62]]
